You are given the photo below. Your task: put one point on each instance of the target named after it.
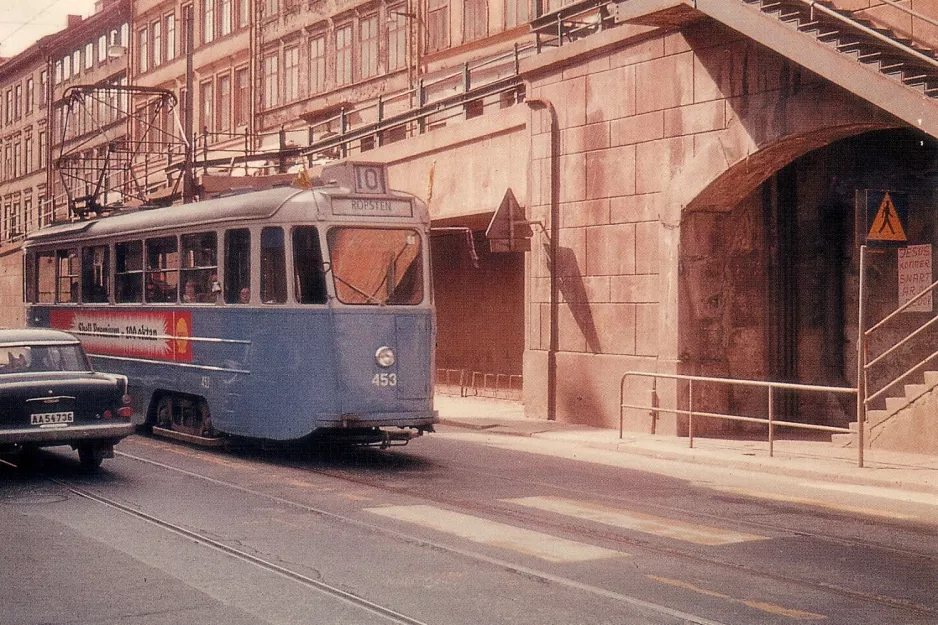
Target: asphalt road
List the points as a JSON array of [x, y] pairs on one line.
[[452, 529]]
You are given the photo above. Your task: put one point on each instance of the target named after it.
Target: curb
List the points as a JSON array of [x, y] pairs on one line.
[[703, 457]]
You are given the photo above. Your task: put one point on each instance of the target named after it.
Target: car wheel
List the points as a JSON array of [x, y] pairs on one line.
[[28, 457], [90, 456]]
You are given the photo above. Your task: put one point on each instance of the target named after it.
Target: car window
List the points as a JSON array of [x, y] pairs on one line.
[[23, 359]]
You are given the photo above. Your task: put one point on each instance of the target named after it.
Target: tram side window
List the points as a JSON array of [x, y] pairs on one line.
[[238, 266], [67, 280], [273, 266], [128, 276], [162, 269], [95, 274], [199, 268], [310, 283], [46, 277]]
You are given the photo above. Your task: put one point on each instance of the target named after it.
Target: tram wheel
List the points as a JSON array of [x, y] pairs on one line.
[[164, 412]]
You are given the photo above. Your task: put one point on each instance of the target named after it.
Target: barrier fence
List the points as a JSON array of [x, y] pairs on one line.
[[465, 383]]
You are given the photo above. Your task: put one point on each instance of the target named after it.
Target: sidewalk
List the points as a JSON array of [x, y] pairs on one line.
[[805, 459]]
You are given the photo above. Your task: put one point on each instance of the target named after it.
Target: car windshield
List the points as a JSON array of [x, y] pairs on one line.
[[376, 265], [33, 358]]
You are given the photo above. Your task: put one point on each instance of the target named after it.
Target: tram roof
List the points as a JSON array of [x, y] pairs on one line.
[[233, 208]]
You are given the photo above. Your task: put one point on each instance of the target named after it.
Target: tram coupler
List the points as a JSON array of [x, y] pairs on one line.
[[398, 438]]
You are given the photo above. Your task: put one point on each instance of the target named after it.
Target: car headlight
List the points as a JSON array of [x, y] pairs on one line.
[[384, 356]]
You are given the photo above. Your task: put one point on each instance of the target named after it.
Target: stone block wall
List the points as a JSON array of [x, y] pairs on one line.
[[664, 143]]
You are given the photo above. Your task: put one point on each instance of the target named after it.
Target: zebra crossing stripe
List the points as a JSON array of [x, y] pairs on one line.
[[667, 528], [495, 534]]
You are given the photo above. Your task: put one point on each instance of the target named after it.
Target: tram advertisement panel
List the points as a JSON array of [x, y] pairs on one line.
[[158, 335]]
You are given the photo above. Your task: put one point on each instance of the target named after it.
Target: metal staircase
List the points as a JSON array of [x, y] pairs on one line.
[[891, 72]]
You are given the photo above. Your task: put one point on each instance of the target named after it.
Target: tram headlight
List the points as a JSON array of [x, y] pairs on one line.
[[384, 356]]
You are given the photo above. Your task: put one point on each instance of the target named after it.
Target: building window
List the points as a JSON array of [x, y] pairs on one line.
[[224, 103], [368, 45], [43, 88], [397, 38], [207, 94], [41, 139], [242, 102], [18, 101], [291, 74], [156, 34], [142, 47], [271, 7], [29, 218], [89, 55], [170, 36], [76, 62], [475, 20], [343, 55], [271, 81], [244, 14], [28, 154], [30, 94], [67, 67], [437, 25], [317, 64], [208, 21], [225, 25], [102, 48]]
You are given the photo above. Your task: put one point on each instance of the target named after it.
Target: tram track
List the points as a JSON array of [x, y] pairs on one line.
[[524, 571], [526, 519], [242, 555]]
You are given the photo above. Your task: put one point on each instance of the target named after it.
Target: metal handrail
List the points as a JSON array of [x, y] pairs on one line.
[[866, 30], [895, 4], [771, 421], [867, 335]]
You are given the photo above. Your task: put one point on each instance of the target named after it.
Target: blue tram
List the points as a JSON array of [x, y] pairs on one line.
[[279, 315]]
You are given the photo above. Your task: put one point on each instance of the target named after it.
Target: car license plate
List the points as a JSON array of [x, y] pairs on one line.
[[51, 418]]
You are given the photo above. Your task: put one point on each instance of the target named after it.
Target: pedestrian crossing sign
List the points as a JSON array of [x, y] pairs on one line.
[[887, 214]]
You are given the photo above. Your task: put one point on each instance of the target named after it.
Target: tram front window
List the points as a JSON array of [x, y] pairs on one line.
[[376, 266]]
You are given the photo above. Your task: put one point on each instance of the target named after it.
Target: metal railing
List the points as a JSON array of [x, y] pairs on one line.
[[771, 421], [867, 364], [465, 383]]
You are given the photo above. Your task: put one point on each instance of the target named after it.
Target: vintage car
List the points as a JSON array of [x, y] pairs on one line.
[[49, 395]]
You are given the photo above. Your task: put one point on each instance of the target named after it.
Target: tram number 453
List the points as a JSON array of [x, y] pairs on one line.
[[384, 379]]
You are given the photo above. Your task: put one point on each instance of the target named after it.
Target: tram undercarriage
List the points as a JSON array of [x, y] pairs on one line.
[[187, 418]]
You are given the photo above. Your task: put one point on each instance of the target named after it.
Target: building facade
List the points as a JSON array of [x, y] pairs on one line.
[[689, 173], [40, 125]]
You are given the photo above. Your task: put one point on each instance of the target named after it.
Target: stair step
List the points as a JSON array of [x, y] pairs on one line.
[[844, 440], [895, 404], [931, 378], [914, 391], [874, 418]]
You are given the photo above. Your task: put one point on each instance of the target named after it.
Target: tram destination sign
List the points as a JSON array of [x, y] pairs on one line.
[[371, 207]]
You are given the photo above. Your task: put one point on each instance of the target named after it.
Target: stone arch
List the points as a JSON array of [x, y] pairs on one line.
[[712, 189]]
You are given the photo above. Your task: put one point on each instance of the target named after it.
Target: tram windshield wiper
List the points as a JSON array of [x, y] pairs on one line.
[[371, 298]]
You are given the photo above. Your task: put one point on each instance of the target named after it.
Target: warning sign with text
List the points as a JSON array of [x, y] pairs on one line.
[[915, 276]]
